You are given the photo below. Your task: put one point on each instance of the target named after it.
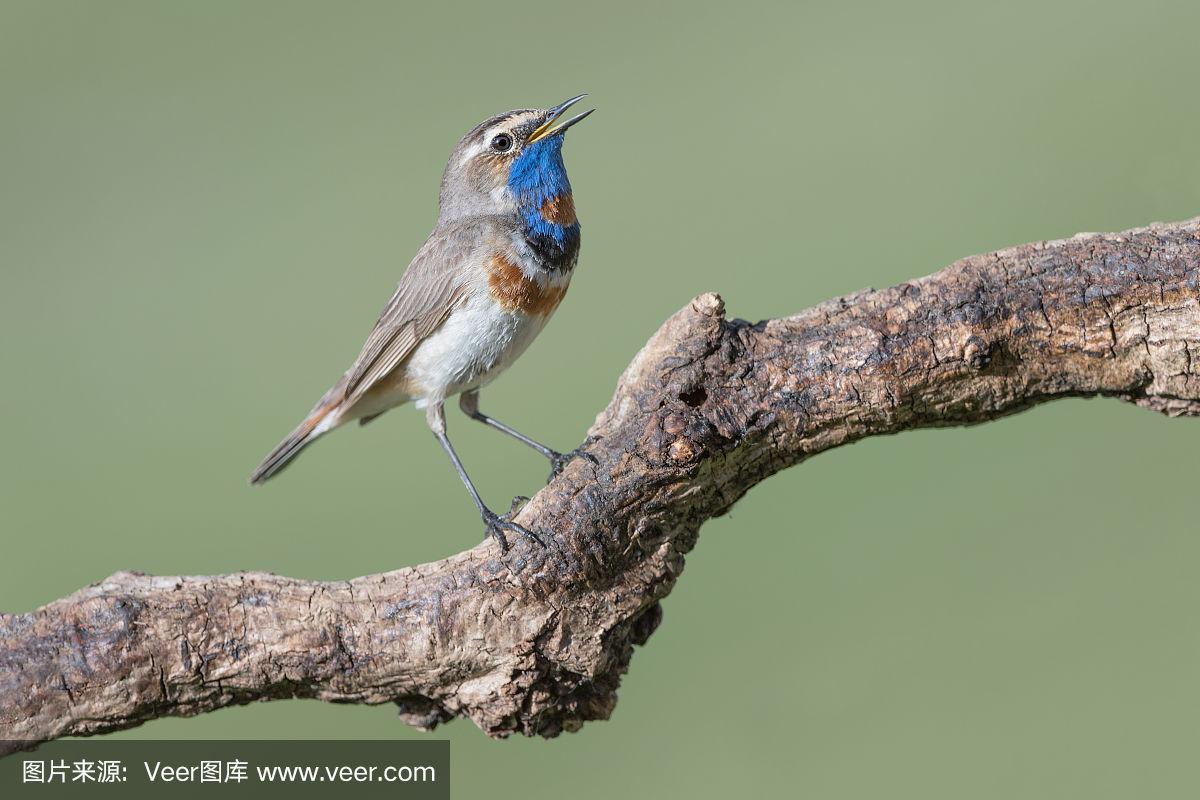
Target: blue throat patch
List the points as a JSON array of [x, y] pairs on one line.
[[539, 175]]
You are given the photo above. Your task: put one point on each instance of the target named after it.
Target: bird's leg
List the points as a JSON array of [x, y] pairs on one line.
[[469, 403], [494, 524]]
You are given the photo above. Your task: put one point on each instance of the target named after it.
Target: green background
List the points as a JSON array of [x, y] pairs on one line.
[[203, 206]]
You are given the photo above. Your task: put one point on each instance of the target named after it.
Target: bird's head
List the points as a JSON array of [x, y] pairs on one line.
[[510, 163]]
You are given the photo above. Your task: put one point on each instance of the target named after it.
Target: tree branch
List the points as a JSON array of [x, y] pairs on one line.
[[536, 641]]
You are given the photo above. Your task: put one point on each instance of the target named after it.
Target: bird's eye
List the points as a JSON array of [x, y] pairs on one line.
[[502, 143]]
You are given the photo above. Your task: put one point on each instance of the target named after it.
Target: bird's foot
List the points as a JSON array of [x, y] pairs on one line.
[[495, 524], [559, 461]]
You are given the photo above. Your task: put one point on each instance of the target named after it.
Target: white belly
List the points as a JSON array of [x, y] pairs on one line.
[[478, 341]]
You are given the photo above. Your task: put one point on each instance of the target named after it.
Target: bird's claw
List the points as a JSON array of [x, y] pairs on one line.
[[494, 525], [516, 504], [559, 461]]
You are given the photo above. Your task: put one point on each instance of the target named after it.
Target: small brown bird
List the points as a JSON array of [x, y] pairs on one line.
[[489, 276]]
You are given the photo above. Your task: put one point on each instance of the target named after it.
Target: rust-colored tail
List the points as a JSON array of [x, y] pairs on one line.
[[317, 423]]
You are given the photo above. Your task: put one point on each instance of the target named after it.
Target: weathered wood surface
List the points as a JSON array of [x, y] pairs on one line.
[[536, 641]]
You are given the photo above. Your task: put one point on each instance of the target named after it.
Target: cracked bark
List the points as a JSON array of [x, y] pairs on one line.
[[535, 641]]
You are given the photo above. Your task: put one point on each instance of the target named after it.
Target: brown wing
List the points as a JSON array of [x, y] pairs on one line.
[[429, 290]]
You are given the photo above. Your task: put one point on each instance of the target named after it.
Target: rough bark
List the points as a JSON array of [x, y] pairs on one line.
[[535, 641]]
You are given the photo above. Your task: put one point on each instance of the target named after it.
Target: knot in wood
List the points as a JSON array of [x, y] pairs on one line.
[[682, 450], [977, 354], [674, 424]]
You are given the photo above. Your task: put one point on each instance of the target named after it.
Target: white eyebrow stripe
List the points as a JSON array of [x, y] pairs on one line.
[[505, 125], [470, 153]]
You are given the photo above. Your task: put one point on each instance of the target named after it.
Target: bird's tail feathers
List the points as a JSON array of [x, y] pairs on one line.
[[322, 419]]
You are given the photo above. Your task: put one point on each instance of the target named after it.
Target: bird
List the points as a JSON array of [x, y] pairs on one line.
[[495, 267]]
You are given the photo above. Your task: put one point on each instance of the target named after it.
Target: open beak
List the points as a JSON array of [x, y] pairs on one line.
[[548, 128]]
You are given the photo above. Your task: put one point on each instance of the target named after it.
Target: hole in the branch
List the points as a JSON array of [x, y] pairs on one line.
[[694, 397]]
